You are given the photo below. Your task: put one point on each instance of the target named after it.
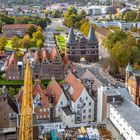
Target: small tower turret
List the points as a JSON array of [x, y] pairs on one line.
[[71, 37], [129, 71], [91, 35]]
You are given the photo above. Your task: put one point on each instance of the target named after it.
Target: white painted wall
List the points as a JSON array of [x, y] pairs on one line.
[[48, 126], [100, 103], [86, 99], [61, 103], [68, 120], [121, 124]]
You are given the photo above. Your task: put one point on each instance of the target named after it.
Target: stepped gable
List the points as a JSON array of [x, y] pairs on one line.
[[45, 55], [36, 56], [53, 53], [12, 58]]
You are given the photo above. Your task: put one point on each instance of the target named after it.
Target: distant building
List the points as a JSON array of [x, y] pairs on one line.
[[48, 64], [41, 103], [63, 105], [81, 104], [45, 64], [132, 82], [121, 24], [116, 105], [11, 68], [8, 109], [11, 30], [58, 97], [82, 47]]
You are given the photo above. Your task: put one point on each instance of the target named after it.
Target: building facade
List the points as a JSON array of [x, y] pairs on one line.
[[115, 104], [81, 103], [44, 65], [11, 68], [11, 30], [48, 64], [82, 47], [132, 82], [8, 109]]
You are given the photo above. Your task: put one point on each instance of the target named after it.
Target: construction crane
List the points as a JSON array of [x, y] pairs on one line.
[[26, 119]]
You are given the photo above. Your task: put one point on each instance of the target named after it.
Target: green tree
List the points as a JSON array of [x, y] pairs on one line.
[[20, 54], [83, 13], [40, 43], [130, 16], [113, 37], [15, 43], [25, 42], [138, 16], [110, 16], [120, 53], [42, 23], [133, 29], [86, 26], [30, 30], [73, 19], [38, 35], [56, 14], [46, 13], [12, 91], [3, 42], [1, 25]]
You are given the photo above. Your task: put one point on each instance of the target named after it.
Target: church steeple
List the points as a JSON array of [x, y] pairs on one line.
[[71, 37], [91, 35]]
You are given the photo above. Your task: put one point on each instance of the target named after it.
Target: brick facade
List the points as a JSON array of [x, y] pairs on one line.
[[82, 47]]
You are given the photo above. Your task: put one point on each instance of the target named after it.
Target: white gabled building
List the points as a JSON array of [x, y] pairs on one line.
[[59, 99], [116, 105], [81, 103]]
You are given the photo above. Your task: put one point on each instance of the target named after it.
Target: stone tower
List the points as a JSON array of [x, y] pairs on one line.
[[82, 47]]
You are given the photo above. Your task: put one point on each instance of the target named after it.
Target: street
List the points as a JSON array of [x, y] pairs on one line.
[[95, 68]]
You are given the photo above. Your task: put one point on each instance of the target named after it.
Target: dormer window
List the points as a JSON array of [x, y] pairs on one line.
[[71, 90]]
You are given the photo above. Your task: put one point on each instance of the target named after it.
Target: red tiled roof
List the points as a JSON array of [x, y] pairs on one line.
[[36, 56], [37, 90], [16, 26], [55, 89], [45, 55], [12, 58], [53, 53], [76, 85]]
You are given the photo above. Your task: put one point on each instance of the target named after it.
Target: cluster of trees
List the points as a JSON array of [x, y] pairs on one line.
[[73, 19], [55, 14], [34, 20], [5, 19], [131, 16], [123, 48], [85, 27], [136, 30], [32, 38]]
